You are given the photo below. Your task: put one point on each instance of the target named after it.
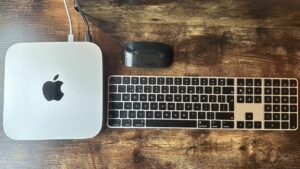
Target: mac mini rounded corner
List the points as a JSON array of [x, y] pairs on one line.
[[53, 90]]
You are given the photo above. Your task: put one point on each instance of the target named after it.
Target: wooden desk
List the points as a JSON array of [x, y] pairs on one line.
[[210, 38]]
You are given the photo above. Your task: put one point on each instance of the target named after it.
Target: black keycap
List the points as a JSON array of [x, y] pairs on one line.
[[284, 125], [151, 97], [212, 98], [293, 108], [228, 124], [284, 99], [188, 106], [169, 81], [113, 114], [206, 107], [121, 88], [173, 89], [208, 90], [284, 82], [162, 106], [197, 106], [134, 97], [199, 89], [221, 81], [114, 122], [152, 80], [249, 90], [249, 99], [276, 108], [228, 90], [215, 124], [221, 99], [284, 91], [175, 115], [212, 81], [249, 116], [178, 81], [160, 80], [169, 98], [141, 114], [230, 101], [167, 114], [240, 82], [241, 90], [223, 107], [257, 90], [224, 116], [147, 89], [217, 90], [126, 80], [179, 106], [145, 106], [276, 116], [186, 81], [178, 98], [284, 116], [182, 89], [193, 115], [115, 105], [201, 115], [191, 89], [195, 81], [165, 89], [126, 97], [127, 105], [293, 83], [276, 99], [132, 114], [293, 91], [126, 123], [257, 82], [203, 124], [143, 80], [240, 99], [249, 82], [171, 106], [203, 98], [204, 81], [249, 124], [186, 98], [139, 89], [257, 99], [268, 91], [210, 115], [195, 98], [115, 97], [284, 108], [123, 114], [230, 82], [156, 89], [215, 107], [115, 80], [293, 121], [184, 115], [268, 116], [272, 125], [134, 80], [257, 124], [240, 124], [130, 88], [276, 82], [268, 99], [293, 99], [268, 82], [172, 123], [113, 88], [276, 91], [143, 97], [160, 97], [138, 123], [268, 108], [158, 114]]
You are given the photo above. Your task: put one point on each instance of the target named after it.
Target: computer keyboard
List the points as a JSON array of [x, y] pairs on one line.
[[235, 103]]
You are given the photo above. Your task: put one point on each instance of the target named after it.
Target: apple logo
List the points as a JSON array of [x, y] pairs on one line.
[[52, 89]]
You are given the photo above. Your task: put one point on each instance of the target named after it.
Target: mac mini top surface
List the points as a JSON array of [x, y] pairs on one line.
[[53, 90]]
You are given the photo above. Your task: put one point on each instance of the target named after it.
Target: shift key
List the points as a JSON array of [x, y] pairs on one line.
[[224, 116]]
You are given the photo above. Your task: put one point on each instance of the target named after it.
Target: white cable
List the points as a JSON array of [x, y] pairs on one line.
[[70, 36]]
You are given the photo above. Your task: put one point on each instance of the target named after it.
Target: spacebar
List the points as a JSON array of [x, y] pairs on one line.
[[171, 123]]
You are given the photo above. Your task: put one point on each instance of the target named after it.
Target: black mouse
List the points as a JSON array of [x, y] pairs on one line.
[[147, 54]]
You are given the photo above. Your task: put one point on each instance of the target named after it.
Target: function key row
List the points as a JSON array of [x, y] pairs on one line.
[[280, 91], [280, 82], [172, 81]]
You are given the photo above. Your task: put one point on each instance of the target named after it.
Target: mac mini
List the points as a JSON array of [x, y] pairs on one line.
[[53, 90]]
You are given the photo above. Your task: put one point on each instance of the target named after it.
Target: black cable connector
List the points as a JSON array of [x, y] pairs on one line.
[[88, 36]]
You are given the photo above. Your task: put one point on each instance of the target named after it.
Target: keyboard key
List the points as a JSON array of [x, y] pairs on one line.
[[188, 106], [268, 108], [162, 106], [115, 80], [240, 124], [223, 107], [210, 115], [257, 124], [249, 82], [228, 90], [165, 89], [249, 99], [139, 89], [293, 108], [249, 124], [268, 91], [215, 107], [171, 106], [121, 88], [156, 89], [169, 98], [276, 99], [284, 91], [195, 81], [160, 97], [126, 123], [113, 114], [215, 124], [284, 125], [114, 122], [221, 81], [268, 82], [276, 108], [169, 81], [293, 121], [132, 114], [175, 115], [115, 105], [293, 91], [141, 114], [284, 99], [186, 81], [272, 125], [115, 97], [139, 123], [206, 107], [173, 89], [284, 82], [284, 116], [240, 82], [224, 116], [257, 90], [276, 91], [203, 98], [147, 89], [228, 124], [293, 83], [193, 115], [191, 89], [130, 88], [257, 82], [268, 99], [154, 106], [145, 106], [186, 98], [178, 81], [249, 116], [143, 80], [179, 106], [257, 99], [212, 81], [160, 81], [276, 82], [134, 80], [172, 123], [123, 114], [167, 115], [184, 115], [199, 89], [284, 108], [113, 88], [182, 89], [203, 124], [195, 98], [276, 116], [197, 106], [268, 116], [240, 99], [204, 81], [201, 115], [217, 90], [125, 97], [249, 90], [293, 99], [208, 90], [230, 82], [152, 80], [127, 105], [149, 114], [158, 114]]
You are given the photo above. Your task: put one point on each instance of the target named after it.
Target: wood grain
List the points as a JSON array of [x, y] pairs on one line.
[[210, 38]]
